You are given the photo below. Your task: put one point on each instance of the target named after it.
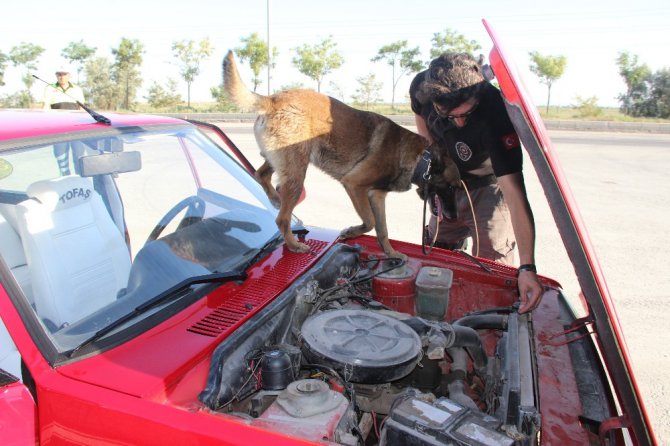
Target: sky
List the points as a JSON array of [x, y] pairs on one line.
[[590, 34]]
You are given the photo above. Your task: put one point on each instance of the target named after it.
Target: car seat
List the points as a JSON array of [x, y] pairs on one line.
[[10, 359], [14, 258], [12, 250], [77, 258]]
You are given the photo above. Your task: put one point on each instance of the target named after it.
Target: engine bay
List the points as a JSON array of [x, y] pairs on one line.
[[370, 351]]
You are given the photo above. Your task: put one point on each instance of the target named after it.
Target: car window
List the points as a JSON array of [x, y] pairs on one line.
[[128, 216], [27, 167]]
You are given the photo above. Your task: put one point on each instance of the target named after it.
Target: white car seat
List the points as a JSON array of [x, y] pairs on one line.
[[12, 250], [77, 258], [10, 359], [12, 254]]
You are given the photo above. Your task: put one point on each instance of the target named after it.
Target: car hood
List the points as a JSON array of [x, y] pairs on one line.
[[602, 315]]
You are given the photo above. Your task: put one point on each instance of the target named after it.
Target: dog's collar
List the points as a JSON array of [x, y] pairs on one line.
[[422, 172]]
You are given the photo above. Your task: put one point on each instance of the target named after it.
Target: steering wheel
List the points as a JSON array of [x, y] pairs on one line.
[[194, 214]]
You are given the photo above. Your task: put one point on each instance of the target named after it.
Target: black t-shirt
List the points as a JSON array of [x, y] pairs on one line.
[[487, 142]]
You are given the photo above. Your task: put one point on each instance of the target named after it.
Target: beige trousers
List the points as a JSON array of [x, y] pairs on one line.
[[492, 235]]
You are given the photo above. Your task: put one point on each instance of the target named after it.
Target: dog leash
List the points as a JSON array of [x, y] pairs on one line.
[[438, 219], [426, 178], [426, 245], [474, 217]]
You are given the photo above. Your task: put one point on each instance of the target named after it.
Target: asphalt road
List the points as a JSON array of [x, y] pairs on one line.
[[619, 183]]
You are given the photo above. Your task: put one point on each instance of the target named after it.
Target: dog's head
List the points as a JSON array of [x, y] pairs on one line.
[[438, 178], [443, 170], [442, 176]]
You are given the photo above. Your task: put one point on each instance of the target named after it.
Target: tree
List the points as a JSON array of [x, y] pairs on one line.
[[255, 50], [3, 66], [100, 89], [397, 53], [16, 100], [78, 53], [368, 90], [647, 93], [296, 85], [128, 58], [660, 93], [160, 97], [335, 91], [26, 55], [190, 55], [451, 41], [587, 107], [548, 68], [637, 77], [318, 60]]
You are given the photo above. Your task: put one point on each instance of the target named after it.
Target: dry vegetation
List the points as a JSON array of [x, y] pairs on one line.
[[555, 113]]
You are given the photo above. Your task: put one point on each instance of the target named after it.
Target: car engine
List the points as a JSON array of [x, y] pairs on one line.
[[360, 352]]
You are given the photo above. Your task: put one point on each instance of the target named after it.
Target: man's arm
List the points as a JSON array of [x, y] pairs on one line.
[[514, 191], [422, 128]]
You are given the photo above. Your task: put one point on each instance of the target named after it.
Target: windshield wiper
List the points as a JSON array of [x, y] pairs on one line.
[[177, 290], [474, 260], [171, 293], [270, 245]]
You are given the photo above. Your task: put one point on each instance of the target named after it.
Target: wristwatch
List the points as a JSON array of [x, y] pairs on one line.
[[526, 267]]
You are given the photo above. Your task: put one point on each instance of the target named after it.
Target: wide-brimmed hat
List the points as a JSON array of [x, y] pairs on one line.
[[63, 69]]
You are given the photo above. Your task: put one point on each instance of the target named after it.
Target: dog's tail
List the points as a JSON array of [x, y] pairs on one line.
[[244, 98]]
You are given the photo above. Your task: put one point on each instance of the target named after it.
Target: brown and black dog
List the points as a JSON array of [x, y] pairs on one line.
[[366, 152]]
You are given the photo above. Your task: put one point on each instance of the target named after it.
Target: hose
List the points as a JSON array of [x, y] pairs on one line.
[[456, 336], [483, 321], [456, 387], [469, 339]]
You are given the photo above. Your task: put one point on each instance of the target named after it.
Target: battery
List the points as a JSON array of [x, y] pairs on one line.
[[444, 422]]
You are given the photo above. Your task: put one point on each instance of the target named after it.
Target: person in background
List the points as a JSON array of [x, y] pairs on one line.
[[457, 108], [64, 95]]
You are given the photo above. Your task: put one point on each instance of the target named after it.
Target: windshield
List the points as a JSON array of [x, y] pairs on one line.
[[94, 228]]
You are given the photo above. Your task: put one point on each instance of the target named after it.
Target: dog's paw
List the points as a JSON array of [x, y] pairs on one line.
[[298, 247], [352, 231], [393, 254]]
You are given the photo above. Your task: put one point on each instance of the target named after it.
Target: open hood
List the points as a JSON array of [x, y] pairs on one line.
[[602, 315]]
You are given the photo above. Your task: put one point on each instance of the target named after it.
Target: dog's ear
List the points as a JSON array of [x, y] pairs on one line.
[[450, 174]]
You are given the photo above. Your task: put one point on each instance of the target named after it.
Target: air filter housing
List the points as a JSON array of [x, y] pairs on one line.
[[363, 346]]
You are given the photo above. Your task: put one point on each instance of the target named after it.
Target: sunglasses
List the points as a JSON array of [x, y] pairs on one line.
[[62, 74], [442, 114]]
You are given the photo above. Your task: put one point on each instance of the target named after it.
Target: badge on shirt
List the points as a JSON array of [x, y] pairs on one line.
[[511, 141], [463, 151]]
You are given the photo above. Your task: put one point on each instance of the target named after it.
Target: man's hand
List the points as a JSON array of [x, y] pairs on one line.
[[530, 291]]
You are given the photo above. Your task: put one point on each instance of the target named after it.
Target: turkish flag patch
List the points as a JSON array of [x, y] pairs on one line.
[[511, 141]]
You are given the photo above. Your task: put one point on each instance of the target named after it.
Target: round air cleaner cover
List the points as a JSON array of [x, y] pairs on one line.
[[363, 346]]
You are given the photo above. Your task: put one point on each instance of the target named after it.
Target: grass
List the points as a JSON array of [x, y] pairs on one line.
[[196, 107], [600, 114], [556, 113]]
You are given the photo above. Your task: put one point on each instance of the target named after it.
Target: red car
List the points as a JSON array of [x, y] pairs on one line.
[[147, 298]]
